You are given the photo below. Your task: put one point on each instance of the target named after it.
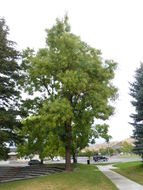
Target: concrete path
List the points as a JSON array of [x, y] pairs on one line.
[[120, 181]]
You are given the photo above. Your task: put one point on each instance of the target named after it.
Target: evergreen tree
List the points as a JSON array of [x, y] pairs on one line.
[[136, 91], [9, 93]]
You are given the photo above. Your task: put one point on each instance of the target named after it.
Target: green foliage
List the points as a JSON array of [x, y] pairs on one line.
[[136, 91], [38, 139], [9, 90], [106, 151], [126, 147], [102, 131], [4, 151], [89, 153], [75, 85], [40, 131]]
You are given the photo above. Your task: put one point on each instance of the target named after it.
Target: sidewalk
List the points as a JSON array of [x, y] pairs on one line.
[[120, 181]]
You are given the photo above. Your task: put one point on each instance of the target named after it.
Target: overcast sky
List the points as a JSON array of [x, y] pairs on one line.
[[113, 26]]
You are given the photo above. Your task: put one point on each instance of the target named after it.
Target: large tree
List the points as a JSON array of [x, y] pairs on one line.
[[75, 85], [136, 91], [9, 93]]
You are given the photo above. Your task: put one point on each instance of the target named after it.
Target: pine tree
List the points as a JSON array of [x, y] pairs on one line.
[[136, 91], [9, 93]]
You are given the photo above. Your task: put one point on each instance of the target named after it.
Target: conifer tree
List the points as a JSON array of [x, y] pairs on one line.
[[9, 93], [136, 91]]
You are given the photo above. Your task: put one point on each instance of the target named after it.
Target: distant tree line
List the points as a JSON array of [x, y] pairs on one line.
[[126, 148]]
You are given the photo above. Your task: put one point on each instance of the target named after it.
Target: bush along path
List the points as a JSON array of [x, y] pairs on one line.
[[120, 181]]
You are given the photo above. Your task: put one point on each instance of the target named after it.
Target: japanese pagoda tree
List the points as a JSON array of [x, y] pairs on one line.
[[136, 91], [75, 86]]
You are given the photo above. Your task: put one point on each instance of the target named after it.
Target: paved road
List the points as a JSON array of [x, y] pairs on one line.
[[115, 159], [82, 160], [120, 181], [112, 159]]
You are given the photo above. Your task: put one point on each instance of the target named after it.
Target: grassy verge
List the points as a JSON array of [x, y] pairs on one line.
[[84, 177], [131, 170], [104, 164]]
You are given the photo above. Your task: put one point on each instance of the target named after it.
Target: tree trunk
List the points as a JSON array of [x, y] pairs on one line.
[[74, 159], [41, 161], [68, 149]]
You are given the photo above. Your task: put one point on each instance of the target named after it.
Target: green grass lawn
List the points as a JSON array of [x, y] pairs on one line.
[[83, 177], [132, 170]]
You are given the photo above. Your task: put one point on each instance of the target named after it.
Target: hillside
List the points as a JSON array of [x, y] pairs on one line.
[[114, 145]]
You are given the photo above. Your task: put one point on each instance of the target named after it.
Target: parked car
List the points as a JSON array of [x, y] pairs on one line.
[[56, 158], [99, 158], [34, 162]]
